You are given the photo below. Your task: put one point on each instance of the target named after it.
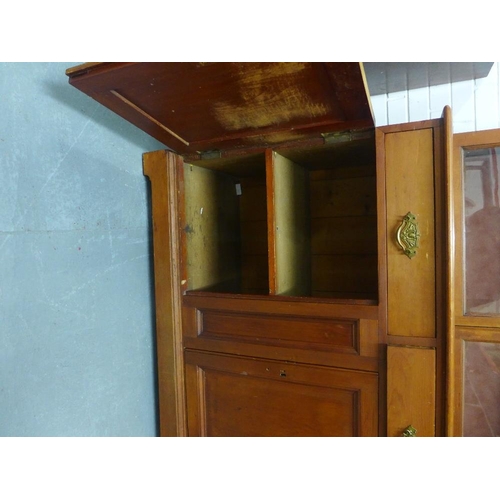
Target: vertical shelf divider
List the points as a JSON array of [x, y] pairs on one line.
[[288, 226]]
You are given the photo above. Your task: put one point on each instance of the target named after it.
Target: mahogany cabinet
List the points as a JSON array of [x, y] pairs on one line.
[[301, 256]]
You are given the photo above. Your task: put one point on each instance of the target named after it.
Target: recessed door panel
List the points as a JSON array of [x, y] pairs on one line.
[[232, 396]]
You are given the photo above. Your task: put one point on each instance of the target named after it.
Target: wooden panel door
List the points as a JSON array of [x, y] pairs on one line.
[[416, 278], [410, 189], [411, 397], [234, 396]]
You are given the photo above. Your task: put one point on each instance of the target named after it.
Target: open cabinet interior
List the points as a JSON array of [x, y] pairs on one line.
[[278, 183], [225, 226], [292, 221]]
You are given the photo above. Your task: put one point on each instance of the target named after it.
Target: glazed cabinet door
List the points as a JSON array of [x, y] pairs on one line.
[[474, 382]]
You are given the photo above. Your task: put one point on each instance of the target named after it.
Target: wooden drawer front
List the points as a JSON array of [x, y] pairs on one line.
[[231, 396], [305, 333], [344, 336], [411, 390], [410, 188]]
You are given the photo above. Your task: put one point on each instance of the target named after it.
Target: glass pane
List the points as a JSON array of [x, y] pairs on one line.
[[482, 389], [482, 231]]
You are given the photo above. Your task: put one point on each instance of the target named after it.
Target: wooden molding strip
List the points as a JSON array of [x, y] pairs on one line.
[[149, 117]]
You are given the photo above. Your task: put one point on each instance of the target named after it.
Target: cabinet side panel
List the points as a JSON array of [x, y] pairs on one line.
[[163, 168], [411, 390], [410, 188]]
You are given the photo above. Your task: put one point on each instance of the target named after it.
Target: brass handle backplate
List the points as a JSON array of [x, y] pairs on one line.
[[410, 431], [408, 236]]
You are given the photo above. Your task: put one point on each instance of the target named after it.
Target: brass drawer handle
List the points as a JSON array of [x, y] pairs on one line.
[[410, 432], [408, 236]]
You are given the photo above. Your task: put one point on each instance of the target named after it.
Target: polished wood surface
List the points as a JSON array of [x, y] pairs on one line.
[[273, 316], [415, 167], [235, 396], [284, 328], [250, 103], [411, 394], [410, 188], [447, 270], [299, 306], [162, 168]]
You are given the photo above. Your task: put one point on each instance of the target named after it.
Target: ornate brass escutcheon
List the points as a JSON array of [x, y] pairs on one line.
[[408, 236], [410, 431]]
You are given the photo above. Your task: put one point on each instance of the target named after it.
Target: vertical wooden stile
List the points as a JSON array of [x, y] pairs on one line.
[[162, 168], [271, 224]]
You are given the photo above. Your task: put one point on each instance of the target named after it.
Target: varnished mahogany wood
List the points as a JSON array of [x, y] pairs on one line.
[[250, 103], [411, 281], [274, 332], [162, 167], [445, 262], [299, 306], [411, 393], [402, 341], [239, 396], [416, 313], [331, 334], [382, 276]]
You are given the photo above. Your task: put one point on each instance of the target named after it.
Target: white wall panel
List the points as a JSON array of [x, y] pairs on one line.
[[379, 107], [439, 97], [487, 98], [463, 106], [418, 105], [397, 107], [475, 104]]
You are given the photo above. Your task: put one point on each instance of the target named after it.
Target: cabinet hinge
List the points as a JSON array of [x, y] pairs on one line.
[[346, 136], [210, 155]]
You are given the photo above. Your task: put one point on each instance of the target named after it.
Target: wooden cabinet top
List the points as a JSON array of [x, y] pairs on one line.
[[199, 107]]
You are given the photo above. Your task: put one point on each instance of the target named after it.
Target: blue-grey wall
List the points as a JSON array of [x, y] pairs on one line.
[[76, 303]]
